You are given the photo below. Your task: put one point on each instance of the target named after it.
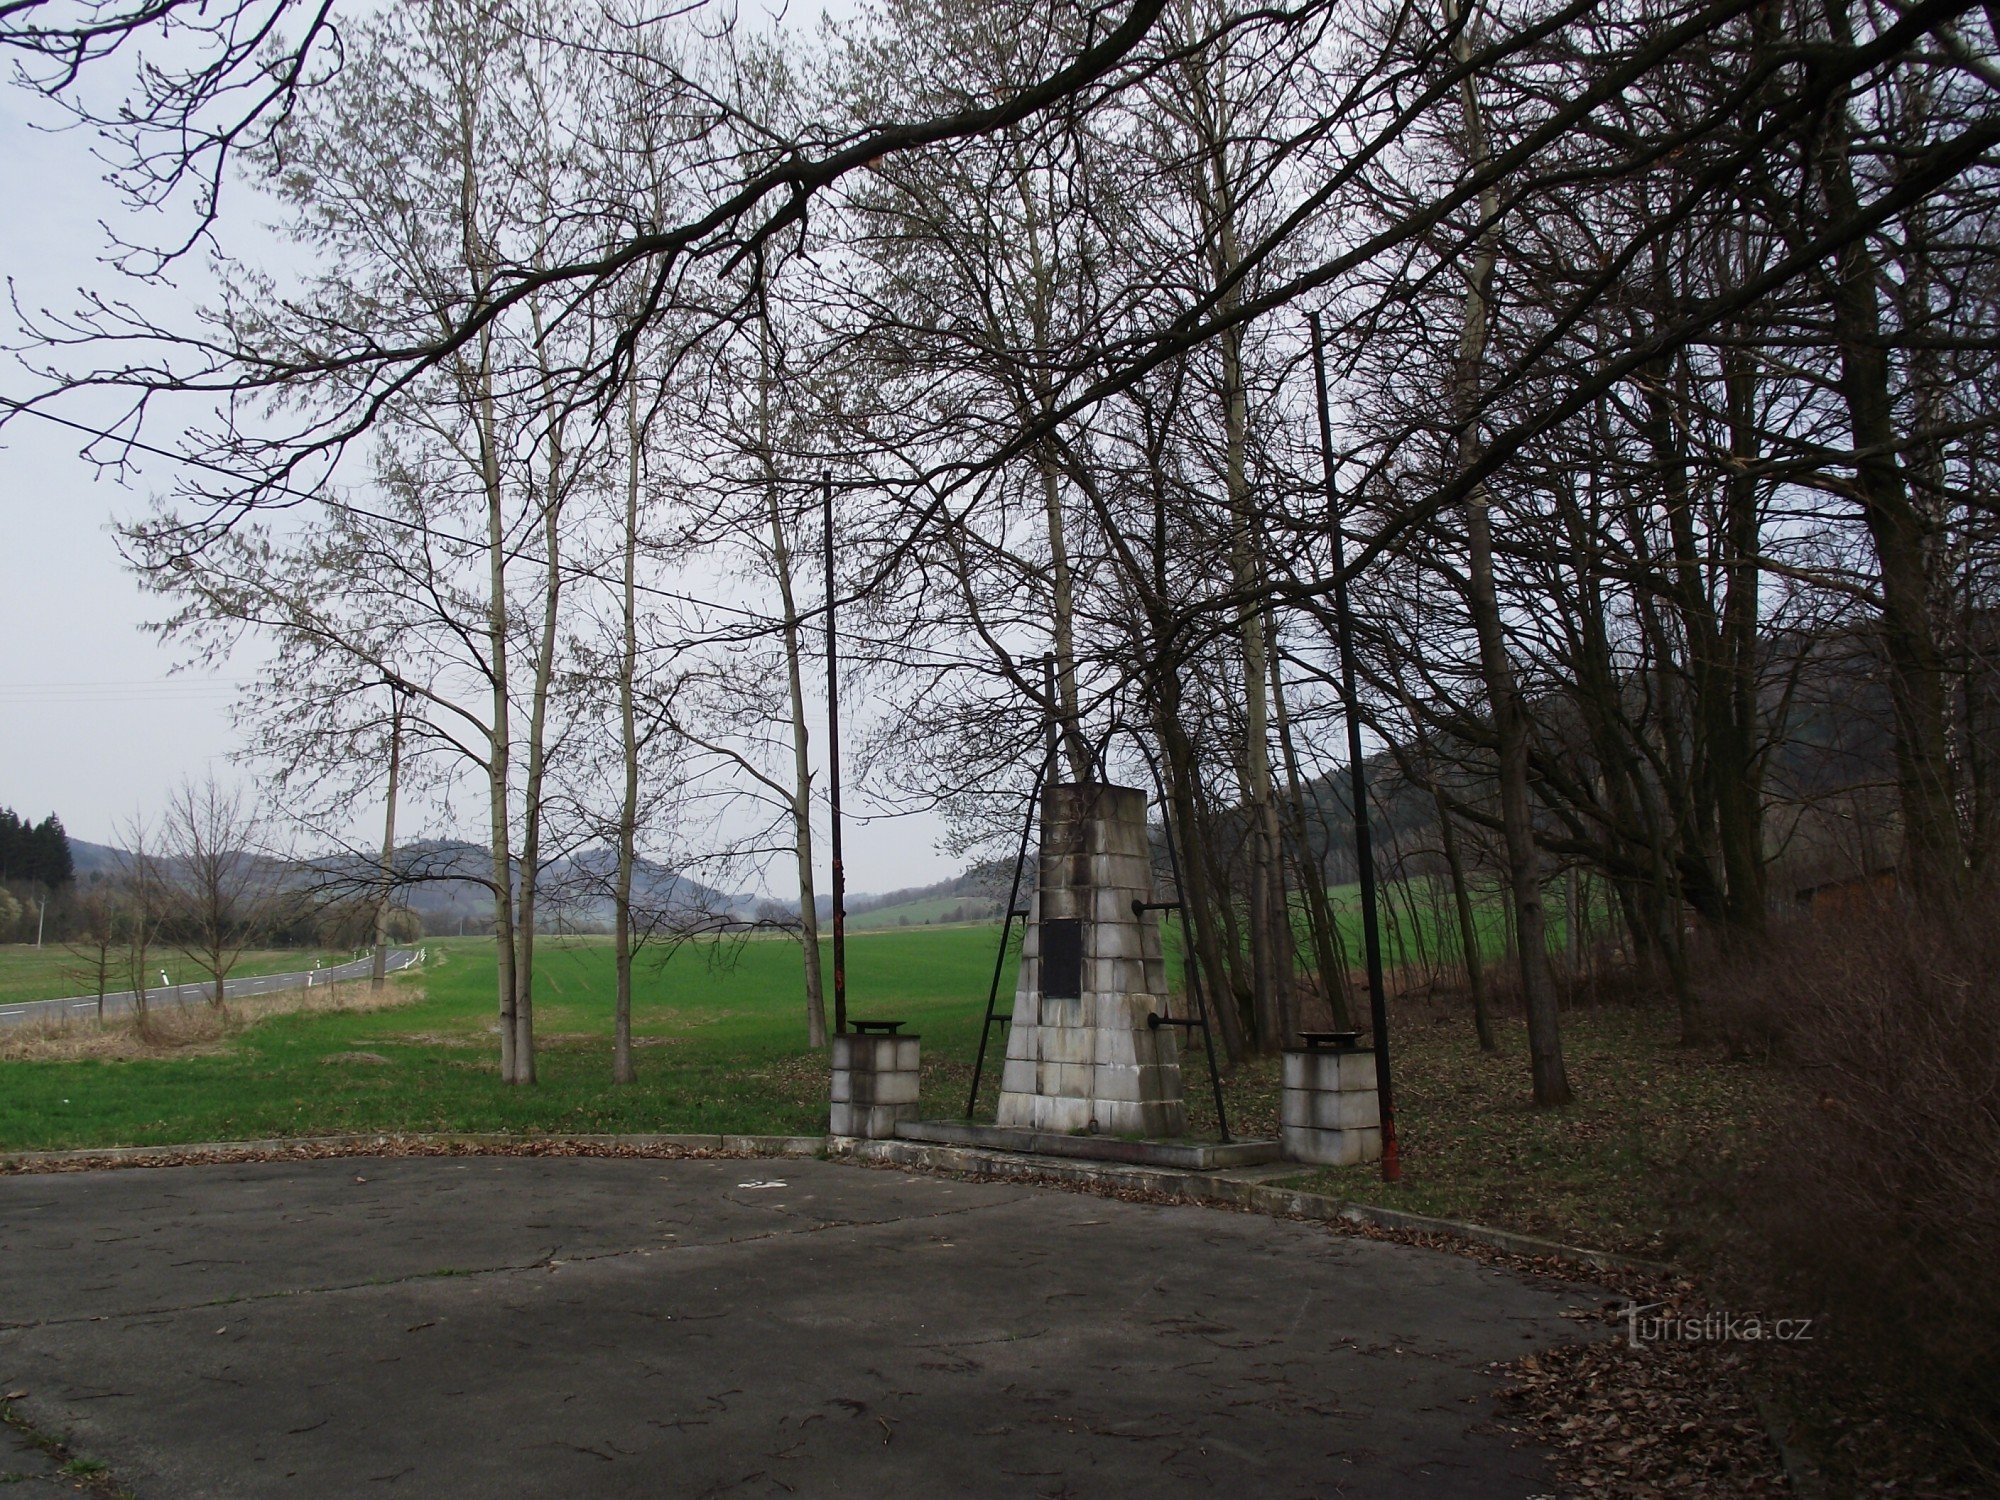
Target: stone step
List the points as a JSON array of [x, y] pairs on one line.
[[1192, 1156]]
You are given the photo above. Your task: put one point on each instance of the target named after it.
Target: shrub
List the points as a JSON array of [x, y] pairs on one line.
[[1877, 1201]]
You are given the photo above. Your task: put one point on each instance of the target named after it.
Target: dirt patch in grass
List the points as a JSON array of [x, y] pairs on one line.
[[436, 1039], [186, 1030], [594, 1041]]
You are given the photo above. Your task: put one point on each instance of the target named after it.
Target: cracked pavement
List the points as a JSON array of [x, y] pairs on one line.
[[536, 1326]]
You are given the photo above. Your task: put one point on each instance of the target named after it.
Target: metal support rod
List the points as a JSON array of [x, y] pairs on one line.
[[1189, 960], [833, 770], [1007, 927], [1364, 848]]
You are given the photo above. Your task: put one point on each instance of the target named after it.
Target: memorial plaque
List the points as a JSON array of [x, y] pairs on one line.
[[1062, 958]]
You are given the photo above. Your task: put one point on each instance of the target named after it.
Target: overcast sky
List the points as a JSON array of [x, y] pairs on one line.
[[94, 724]]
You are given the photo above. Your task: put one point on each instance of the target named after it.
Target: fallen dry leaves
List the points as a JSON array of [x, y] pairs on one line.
[[1670, 1419]]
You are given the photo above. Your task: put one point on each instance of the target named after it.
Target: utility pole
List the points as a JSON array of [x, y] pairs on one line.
[[833, 770], [1364, 845]]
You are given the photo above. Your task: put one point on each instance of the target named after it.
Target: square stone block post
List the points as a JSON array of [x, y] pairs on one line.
[[1332, 1116], [874, 1085]]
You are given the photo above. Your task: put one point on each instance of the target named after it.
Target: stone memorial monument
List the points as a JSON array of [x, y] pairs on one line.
[[1081, 1054]]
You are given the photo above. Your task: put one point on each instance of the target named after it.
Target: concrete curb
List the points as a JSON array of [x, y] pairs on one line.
[[1239, 1188], [376, 1142], [1227, 1188]]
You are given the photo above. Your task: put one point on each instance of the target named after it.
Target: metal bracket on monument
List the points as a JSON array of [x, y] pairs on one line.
[[1155, 1021]]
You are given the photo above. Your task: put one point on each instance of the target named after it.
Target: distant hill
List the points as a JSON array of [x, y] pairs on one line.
[[94, 859], [444, 883], [972, 895]]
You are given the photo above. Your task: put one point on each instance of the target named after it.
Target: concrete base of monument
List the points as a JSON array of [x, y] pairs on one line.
[[1191, 1156]]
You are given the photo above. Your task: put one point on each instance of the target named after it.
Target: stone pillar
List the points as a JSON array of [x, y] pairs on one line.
[[1332, 1116], [874, 1084], [1080, 1054]]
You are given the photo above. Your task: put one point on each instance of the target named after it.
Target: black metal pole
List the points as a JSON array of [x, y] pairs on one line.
[[1007, 926], [833, 771], [1364, 847], [1190, 962]]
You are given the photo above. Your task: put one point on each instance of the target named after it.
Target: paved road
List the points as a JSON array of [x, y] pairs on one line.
[[195, 992], [524, 1326]]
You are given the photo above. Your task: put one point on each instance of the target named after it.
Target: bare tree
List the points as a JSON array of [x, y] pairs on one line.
[[217, 875]]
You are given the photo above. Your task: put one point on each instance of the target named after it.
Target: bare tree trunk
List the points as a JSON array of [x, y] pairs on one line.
[[1934, 855], [802, 838], [1075, 748], [498, 761], [1062, 586], [1333, 976], [622, 1071], [532, 800], [1551, 1081], [1468, 932], [1199, 912], [1270, 935], [379, 977]]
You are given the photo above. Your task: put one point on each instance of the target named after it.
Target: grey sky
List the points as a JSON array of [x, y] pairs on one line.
[[93, 723]]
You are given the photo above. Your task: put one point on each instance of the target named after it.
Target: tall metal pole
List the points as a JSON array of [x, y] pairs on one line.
[[833, 770], [1364, 845]]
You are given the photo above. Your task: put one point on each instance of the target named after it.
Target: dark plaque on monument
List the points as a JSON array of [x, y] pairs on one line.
[[1062, 958]]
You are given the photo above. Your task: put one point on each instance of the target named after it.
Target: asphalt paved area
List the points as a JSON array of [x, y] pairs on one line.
[[582, 1327]]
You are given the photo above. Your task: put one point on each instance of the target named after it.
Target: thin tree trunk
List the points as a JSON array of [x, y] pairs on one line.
[[379, 978], [498, 764], [1200, 911], [1551, 1081], [802, 839], [1333, 976], [1933, 850], [531, 791], [1062, 585], [622, 1069], [1468, 935], [1075, 749]]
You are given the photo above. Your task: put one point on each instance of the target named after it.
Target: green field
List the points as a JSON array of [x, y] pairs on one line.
[[722, 1049], [52, 973], [932, 911]]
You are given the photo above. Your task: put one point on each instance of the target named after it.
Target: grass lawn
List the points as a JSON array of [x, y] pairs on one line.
[[53, 973], [721, 1048], [932, 911], [1654, 1123]]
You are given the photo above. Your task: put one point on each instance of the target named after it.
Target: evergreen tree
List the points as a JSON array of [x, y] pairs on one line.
[[37, 852], [55, 865], [13, 850]]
